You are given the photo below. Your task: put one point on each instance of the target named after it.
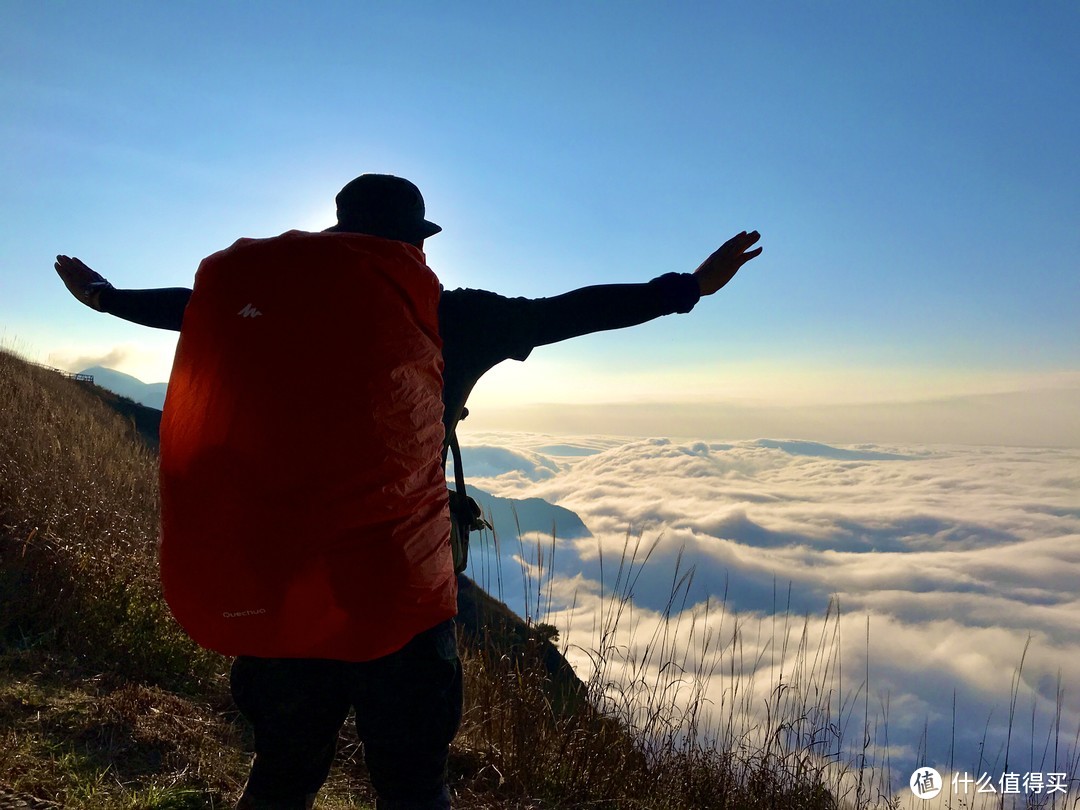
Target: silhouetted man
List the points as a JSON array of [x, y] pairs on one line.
[[408, 703]]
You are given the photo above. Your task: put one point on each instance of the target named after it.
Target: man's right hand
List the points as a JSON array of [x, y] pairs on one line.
[[721, 267], [81, 281]]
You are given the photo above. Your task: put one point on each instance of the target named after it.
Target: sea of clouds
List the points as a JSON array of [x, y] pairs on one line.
[[918, 605]]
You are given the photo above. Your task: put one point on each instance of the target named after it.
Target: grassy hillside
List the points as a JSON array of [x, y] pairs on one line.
[[105, 703]]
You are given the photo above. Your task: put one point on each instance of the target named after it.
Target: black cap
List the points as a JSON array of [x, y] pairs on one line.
[[383, 205]]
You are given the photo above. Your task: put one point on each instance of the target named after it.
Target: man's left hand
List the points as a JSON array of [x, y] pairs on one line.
[[721, 266], [82, 282]]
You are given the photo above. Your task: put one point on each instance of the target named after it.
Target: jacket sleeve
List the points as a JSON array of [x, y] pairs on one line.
[[161, 308], [481, 329], [610, 306]]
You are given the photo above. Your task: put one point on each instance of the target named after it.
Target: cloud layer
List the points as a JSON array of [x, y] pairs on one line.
[[951, 557]]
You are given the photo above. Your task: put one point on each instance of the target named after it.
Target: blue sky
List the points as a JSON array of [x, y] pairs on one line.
[[911, 166]]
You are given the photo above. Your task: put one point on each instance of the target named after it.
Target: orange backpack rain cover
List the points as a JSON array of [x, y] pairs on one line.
[[303, 502]]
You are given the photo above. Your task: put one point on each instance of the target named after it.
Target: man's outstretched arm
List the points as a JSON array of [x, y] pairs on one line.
[[589, 309], [161, 308], [616, 306]]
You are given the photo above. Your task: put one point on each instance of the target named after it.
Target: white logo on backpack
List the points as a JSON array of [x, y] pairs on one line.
[[249, 311]]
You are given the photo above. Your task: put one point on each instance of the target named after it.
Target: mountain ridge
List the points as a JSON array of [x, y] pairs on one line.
[[152, 395]]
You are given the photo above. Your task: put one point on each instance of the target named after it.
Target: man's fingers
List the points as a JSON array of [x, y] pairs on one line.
[[745, 257], [739, 242], [74, 269], [747, 239], [66, 264], [738, 245]]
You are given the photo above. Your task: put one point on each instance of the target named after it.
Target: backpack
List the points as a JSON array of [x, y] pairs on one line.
[[303, 497]]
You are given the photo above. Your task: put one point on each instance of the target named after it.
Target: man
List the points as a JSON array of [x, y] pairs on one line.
[[408, 703]]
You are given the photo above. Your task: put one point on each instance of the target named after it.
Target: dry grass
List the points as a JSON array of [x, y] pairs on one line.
[[78, 517], [91, 742]]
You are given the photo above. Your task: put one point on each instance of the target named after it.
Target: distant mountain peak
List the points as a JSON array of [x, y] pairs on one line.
[[152, 395]]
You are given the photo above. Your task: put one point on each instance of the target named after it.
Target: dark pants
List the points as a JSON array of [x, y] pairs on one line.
[[408, 709]]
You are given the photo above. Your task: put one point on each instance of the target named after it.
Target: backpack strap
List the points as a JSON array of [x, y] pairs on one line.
[[459, 473], [465, 513]]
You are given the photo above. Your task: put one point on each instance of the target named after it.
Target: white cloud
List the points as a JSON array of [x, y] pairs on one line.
[[956, 555], [113, 358]]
